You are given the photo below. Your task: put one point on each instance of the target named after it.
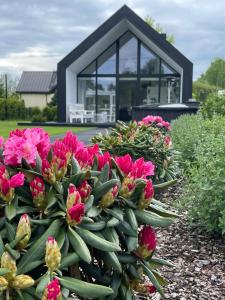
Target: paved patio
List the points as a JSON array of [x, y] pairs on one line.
[[84, 136]]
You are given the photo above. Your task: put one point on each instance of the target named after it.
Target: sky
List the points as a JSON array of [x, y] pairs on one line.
[[35, 35]]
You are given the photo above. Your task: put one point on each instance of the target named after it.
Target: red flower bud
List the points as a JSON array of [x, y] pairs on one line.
[[47, 172], [37, 188], [76, 213], [84, 190], [147, 195], [147, 242], [52, 291]]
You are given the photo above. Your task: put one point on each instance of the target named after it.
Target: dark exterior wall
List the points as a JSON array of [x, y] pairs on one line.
[[61, 95], [187, 83]]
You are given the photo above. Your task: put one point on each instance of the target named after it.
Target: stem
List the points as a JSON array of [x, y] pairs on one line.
[[7, 295]]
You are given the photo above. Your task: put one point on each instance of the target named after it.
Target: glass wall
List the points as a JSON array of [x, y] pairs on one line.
[[127, 73]]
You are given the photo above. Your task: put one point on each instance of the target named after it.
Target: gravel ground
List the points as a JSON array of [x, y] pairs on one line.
[[199, 260]]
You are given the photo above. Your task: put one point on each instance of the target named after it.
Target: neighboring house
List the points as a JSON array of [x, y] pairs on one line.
[[123, 70], [36, 88]]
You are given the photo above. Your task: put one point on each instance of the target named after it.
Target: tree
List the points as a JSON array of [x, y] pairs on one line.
[[151, 22], [215, 74]]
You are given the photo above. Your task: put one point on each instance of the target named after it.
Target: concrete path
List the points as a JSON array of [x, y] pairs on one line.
[[84, 136]]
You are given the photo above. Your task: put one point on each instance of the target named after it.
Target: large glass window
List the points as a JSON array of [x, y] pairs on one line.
[[149, 62], [170, 90], [149, 91], [141, 76], [106, 99], [86, 93], [128, 54], [107, 61]]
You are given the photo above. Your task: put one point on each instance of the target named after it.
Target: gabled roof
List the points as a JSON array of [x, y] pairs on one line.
[[37, 82], [125, 13]]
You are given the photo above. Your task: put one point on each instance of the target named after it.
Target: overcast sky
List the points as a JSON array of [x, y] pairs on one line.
[[35, 35]]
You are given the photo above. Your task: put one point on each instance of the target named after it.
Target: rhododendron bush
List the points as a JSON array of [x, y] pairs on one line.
[[149, 139], [74, 220]]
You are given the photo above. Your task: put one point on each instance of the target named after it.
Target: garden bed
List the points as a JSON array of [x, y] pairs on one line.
[[199, 259]]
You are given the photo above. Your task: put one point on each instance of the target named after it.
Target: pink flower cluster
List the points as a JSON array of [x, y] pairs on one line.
[[137, 169], [155, 120], [7, 184], [26, 144], [53, 290]]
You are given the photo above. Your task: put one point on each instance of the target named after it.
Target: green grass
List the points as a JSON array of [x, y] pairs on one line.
[[7, 126]]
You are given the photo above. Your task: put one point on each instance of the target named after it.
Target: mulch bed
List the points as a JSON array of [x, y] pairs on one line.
[[199, 259]]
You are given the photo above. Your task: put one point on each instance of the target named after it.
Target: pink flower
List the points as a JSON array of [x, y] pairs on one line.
[[40, 139], [84, 190], [151, 289], [147, 242], [167, 142], [17, 180], [53, 290], [85, 156], [125, 163], [37, 187], [76, 212], [18, 147], [103, 159], [1, 141], [142, 169], [149, 190], [72, 142]]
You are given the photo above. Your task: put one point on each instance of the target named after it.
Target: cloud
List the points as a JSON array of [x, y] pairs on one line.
[[37, 34]]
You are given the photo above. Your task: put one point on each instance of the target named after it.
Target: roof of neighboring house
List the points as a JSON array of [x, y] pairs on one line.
[[37, 82]]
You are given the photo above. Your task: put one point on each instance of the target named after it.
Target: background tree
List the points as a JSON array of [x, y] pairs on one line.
[[151, 22], [215, 74]]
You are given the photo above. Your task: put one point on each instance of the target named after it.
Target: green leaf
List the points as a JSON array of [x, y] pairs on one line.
[[101, 190], [164, 185], [43, 283], [131, 218], [93, 212], [26, 210], [10, 211], [127, 258], [11, 231], [152, 278], [89, 203], [132, 243], [75, 166], [158, 262], [85, 289], [162, 212], [147, 217], [97, 226], [37, 250], [115, 212], [14, 253], [113, 222], [4, 271], [127, 229], [1, 246], [69, 260], [96, 241], [79, 245], [111, 260], [51, 199], [77, 179], [104, 176]]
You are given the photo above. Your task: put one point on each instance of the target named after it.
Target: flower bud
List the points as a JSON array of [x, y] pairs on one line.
[[59, 166], [52, 254], [22, 229], [75, 214], [73, 196], [22, 282], [167, 143], [147, 242], [127, 188], [47, 172], [146, 196], [52, 291], [84, 190], [3, 284], [37, 188], [8, 262], [109, 198]]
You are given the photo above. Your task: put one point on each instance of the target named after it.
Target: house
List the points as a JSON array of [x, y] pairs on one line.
[[36, 88], [122, 71]]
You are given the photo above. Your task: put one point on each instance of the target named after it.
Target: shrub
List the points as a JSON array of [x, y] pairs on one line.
[[50, 113], [214, 104], [89, 228], [148, 139], [202, 90], [38, 118], [205, 188], [15, 108]]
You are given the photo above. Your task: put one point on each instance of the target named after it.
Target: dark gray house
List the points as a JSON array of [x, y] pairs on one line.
[[123, 70]]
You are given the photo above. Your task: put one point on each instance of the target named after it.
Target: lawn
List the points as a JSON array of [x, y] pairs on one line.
[[7, 126]]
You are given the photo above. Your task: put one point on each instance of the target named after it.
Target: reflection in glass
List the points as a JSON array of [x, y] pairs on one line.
[[128, 54], [170, 90], [149, 91], [165, 69], [149, 62], [127, 98], [107, 61], [106, 94], [86, 93], [91, 69]]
